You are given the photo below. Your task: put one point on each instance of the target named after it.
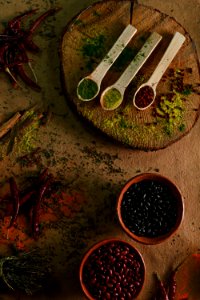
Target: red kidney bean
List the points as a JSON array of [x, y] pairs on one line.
[[119, 289], [114, 281], [115, 277], [93, 281], [119, 278]]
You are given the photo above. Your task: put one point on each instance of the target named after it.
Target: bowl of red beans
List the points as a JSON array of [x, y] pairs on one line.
[[112, 269], [150, 208]]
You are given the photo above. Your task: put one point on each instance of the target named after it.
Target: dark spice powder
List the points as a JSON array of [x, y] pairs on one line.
[[149, 209]]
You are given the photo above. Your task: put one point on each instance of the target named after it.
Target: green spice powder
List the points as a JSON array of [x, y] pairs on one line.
[[112, 98], [87, 89]]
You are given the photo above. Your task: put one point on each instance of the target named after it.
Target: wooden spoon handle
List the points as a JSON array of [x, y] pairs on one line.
[[138, 61], [167, 58], [100, 71]]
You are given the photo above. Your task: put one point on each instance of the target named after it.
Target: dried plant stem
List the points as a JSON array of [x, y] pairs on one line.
[[27, 272], [2, 261]]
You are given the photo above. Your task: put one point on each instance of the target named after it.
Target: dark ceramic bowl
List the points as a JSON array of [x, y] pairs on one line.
[[141, 200], [112, 268]]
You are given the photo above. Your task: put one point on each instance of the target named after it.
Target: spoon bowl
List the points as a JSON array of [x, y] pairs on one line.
[[87, 88], [144, 96], [112, 97]]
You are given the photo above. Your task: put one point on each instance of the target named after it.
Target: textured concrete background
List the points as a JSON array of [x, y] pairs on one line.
[[100, 179]]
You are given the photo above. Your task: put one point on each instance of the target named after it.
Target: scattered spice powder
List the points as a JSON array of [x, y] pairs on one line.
[[93, 49], [112, 98], [170, 107], [87, 89], [59, 204]]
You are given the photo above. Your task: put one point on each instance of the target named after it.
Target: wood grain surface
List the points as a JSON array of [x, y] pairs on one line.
[[147, 129]]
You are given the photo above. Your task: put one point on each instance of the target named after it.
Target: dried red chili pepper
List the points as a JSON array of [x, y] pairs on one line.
[[41, 18], [3, 50], [36, 209], [172, 286], [13, 45], [15, 24], [28, 40], [4, 62], [9, 209], [162, 293], [43, 175], [15, 197], [26, 197], [7, 38], [21, 72]]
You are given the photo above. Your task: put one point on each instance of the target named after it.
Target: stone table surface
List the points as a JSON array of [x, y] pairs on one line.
[[93, 166]]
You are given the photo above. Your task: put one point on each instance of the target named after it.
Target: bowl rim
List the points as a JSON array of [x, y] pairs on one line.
[[96, 246], [179, 197]]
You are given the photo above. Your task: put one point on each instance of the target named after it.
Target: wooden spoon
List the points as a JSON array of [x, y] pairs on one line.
[[94, 79], [147, 91]]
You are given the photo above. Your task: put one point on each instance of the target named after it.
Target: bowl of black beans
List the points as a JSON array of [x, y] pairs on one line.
[[150, 208], [112, 269]]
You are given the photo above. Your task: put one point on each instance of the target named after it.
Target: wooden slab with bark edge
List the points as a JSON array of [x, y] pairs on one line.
[[137, 129]]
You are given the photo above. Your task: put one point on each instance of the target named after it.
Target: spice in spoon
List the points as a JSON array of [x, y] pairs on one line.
[[87, 89], [144, 97], [111, 98]]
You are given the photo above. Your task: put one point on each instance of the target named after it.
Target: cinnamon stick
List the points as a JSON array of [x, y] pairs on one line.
[[4, 128]]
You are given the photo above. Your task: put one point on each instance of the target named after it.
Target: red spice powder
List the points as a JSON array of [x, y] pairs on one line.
[[71, 204], [144, 97], [58, 205]]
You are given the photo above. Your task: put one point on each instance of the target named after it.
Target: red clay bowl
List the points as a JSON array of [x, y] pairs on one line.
[[150, 208], [112, 269]]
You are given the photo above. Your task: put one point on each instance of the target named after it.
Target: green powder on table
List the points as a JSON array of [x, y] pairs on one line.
[[112, 98], [87, 89]]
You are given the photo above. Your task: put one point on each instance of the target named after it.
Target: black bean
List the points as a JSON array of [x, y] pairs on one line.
[[152, 210]]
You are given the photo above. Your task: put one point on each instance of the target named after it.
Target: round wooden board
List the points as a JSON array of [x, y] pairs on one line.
[[87, 39]]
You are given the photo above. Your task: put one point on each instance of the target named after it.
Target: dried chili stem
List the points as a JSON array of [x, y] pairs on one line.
[[12, 76], [33, 72]]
